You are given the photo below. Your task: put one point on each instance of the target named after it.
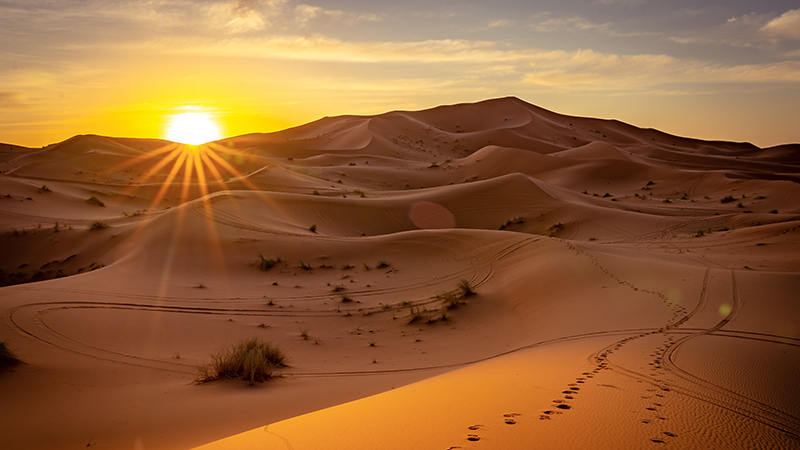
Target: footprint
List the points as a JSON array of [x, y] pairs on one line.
[[670, 434], [474, 427], [473, 437], [511, 421], [658, 441], [563, 406]]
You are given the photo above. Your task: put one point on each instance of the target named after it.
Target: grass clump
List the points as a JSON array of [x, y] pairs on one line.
[[8, 360], [268, 263], [467, 290], [382, 264], [514, 221], [95, 201], [98, 226], [251, 360]]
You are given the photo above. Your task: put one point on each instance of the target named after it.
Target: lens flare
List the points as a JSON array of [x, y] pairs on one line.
[[193, 128]]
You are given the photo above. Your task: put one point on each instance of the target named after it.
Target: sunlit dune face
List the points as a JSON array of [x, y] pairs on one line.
[[192, 128]]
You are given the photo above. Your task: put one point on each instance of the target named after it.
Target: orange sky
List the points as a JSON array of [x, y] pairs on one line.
[[120, 68]]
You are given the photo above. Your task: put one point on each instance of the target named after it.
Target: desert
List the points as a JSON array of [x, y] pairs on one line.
[[475, 275]]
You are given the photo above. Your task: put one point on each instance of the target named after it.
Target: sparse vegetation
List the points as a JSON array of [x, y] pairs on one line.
[[514, 221], [305, 266], [313, 228], [268, 263], [98, 226], [8, 360], [346, 298], [304, 333], [250, 360], [728, 199], [382, 264], [95, 201], [467, 290], [44, 188], [774, 211]]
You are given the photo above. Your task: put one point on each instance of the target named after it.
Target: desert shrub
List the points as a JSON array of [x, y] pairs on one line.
[[251, 360], [467, 290], [98, 226], [268, 263], [728, 199], [382, 264], [514, 221], [8, 360], [95, 201], [313, 228], [305, 266]]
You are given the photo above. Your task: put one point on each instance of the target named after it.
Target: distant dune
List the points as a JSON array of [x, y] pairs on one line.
[[633, 288]]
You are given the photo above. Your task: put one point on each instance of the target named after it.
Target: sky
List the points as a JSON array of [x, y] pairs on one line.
[[722, 69]]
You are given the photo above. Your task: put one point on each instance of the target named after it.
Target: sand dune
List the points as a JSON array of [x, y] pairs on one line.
[[634, 289]]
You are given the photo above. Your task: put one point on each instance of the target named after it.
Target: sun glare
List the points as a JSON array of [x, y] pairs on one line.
[[192, 128]]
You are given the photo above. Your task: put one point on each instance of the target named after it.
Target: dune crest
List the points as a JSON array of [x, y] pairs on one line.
[[487, 274]]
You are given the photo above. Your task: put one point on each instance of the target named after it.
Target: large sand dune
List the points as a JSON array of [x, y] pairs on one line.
[[634, 289]]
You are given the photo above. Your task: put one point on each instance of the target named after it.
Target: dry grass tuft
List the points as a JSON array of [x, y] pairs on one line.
[[8, 360], [250, 360]]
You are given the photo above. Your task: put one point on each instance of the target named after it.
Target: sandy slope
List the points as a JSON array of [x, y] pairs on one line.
[[635, 289]]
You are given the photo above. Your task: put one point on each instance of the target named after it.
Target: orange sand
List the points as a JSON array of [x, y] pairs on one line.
[[623, 301]]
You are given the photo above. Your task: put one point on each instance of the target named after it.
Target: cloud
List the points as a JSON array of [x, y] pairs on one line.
[[303, 14], [593, 71], [568, 24], [12, 100], [787, 26], [501, 23]]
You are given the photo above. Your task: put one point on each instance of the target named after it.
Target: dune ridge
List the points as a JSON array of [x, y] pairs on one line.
[[634, 289]]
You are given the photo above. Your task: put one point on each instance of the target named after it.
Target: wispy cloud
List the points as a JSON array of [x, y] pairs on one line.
[[787, 26], [568, 24]]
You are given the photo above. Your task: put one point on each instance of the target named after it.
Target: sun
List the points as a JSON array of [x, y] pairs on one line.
[[192, 128]]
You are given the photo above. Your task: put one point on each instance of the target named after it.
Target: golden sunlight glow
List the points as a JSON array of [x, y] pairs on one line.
[[192, 128]]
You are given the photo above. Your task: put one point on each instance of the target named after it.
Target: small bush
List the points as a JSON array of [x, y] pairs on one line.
[[95, 201], [305, 266], [467, 290], [382, 264], [346, 298], [515, 221], [8, 360], [268, 263], [250, 360], [728, 199], [98, 226], [313, 228]]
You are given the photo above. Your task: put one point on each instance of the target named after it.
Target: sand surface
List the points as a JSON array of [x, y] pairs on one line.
[[634, 289]]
